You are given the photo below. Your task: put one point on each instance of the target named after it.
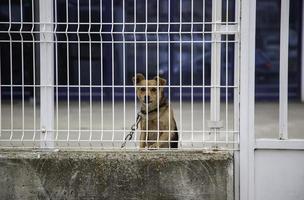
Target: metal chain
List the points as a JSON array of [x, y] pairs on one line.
[[133, 128]]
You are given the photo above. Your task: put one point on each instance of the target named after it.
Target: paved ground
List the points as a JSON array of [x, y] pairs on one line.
[[114, 125]]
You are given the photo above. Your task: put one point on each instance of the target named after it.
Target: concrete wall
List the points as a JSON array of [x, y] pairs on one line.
[[116, 175], [279, 174]]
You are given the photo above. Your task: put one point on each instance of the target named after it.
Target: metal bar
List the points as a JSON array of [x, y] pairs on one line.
[[11, 72], [169, 63], [135, 66], [226, 74], [192, 71], [22, 67], [215, 99], [236, 94], [101, 75], [247, 61], [124, 68], [118, 130], [120, 23], [222, 29], [34, 74], [302, 56], [146, 66], [180, 73], [56, 75], [127, 42], [68, 69], [203, 73], [0, 94], [113, 72], [157, 68], [79, 77], [283, 134], [46, 75], [90, 73], [295, 144], [118, 148], [120, 86], [271, 144], [236, 104]]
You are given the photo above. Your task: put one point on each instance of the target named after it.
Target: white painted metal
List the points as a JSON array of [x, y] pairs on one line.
[[203, 72], [302, 56], [22, 67], [192, 73], [46, 74], [79, 84], [34, 77], [169, 62], [75, 124], [279, 174], [68, 71], [11, 73], [283, 124], [135, 67], [0, 96], [295, 144], [247, 72], [113, 73], [124, 68], [215, 98], [236, 94], [180, 72]]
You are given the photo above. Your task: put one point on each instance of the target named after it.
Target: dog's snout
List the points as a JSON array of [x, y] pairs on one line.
[[147, 99]]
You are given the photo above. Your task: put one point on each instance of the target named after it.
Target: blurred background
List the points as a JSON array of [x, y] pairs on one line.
[[267, 46], [73, 59]]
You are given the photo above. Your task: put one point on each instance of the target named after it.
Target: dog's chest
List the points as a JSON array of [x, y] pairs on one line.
[[157, 122]]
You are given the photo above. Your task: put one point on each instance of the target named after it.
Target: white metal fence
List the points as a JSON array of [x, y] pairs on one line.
[[67, 68], [280, 154]]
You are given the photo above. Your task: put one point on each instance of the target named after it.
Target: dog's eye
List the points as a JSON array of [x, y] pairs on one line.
[[153, 89], [143, 89]]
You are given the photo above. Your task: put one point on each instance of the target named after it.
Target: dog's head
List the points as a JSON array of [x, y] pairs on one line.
[[147, 91]]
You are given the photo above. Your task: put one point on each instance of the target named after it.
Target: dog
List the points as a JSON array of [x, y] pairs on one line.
[[153, 101]]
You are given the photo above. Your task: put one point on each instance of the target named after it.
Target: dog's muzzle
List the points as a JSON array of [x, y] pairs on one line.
[[147, 99]]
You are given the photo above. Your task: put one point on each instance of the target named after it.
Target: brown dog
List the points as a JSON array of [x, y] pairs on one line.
[[156, 129]]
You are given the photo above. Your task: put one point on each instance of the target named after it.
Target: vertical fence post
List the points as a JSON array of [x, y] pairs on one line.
[[46, 74], [247, 72], [0, 96], [284, 69], [215, 99], [236, 92], [302, 56]]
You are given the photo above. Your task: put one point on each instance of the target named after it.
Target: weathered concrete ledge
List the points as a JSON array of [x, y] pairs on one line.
[[116, 175]]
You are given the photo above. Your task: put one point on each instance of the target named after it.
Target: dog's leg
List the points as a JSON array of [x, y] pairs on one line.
[[142, 138], [163, 141]]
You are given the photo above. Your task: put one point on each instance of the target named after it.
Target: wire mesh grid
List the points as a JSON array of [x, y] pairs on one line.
[[67, 69]]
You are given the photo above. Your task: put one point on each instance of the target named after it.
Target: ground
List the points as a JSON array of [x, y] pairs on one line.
[[266, 120]]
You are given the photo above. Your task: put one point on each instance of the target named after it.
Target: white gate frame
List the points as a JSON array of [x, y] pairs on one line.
[[248, 143], [302, 56], [46, 74], [247, 72]]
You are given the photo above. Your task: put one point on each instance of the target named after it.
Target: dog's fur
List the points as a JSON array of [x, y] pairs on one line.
[[166, 136]]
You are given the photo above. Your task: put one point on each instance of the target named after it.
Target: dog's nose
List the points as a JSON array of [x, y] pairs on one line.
[[147, 99]]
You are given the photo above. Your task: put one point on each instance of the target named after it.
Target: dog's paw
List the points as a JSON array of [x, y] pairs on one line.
[[154, 146]]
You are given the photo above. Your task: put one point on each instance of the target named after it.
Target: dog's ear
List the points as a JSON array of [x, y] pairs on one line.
[[139, 77], [161, 80]]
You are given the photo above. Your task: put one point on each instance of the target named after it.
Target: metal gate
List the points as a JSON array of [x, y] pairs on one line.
[[269, 168], [67, 68]]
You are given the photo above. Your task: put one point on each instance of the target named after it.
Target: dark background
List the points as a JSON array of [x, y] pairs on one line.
[[267, 48]]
